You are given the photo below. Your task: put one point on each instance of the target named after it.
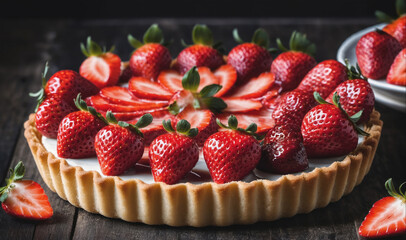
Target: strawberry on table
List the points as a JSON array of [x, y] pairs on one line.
[[77, 131], [101, 67], [397, 71], [150, 56], [328, 131], [375, 52], [387, 216], [119, 145], [203, 52], [174, 154], [250, 58], [395, 27], [293, 64], [24, 198], [232, 154]]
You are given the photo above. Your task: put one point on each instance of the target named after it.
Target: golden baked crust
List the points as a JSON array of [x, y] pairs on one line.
[[207, 204]]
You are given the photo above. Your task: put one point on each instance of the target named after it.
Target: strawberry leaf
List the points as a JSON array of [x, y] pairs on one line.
[[191, 80], [210, 90], [153, 35], [168, 126], [261, 38], [144, 121], [237, 37], [201, 34]]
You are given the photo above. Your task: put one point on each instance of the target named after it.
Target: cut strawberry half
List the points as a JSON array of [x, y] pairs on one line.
[[255, 87], [238, 105], [171, 79], [102, 104], [227, 76], [387, 216], [145, 88], [24, 198], [123, 96]]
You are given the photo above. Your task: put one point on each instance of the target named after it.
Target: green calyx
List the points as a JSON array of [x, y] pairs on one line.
[[392, 191], [182, 127], [93, 49], [354, 72], [298, 42], [233, 125], [15, 174], [201, 34], [336, 102], [82, 106], [40, 95], [400, 10], [260, 37], [153, 35], [203, 99], [142, 122]]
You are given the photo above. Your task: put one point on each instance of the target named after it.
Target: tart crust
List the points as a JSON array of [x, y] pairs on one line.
[[207, 204]]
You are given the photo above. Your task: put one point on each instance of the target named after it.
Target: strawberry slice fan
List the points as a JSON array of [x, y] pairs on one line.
[[194, 96]]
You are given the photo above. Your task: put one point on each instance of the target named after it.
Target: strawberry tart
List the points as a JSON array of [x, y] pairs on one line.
[[206, 138]]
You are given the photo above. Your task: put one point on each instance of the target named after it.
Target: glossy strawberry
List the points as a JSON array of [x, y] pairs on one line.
[[203, 52], [24, 198], [397, 71], [100, 67], [324, 77], [375, 53], [328, 131], [233, 153], [119, 146], [395, 27], [387, 217], [250, 59], [77, 131], [150, 56], [283, 151], [355, 95], [293, 64], [175, 153]]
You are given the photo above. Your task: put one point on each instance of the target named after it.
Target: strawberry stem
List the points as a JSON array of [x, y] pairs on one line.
[[40, 95], [233, 125], [15, 174], [82, 106]]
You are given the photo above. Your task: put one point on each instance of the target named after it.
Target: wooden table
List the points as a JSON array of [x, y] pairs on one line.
[[27, 44]]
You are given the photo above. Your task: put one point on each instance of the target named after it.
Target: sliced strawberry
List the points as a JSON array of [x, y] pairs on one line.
[[128, 116], [100, 103], [155, 128], [227, 76], [255, 87], [24, 198], [145, 88], [171, 79], [272, 98], [235, 105], [123, 96], [206, 77]]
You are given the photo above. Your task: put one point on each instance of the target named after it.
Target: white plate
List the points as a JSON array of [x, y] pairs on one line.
[[388, 94]]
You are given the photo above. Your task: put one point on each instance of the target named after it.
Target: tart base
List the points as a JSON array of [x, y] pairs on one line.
[[207, 204]]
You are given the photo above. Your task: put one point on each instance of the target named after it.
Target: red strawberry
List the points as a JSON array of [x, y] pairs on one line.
[[355, 95], [77, 131], [145, 88], [387, 216], [328, 131], [240, 105], [151, 56], [375, 53], [101, 68], [250, 59], [397, 71], [227, 76], [154, 129], [232, 154], [126, 72], [173, 154], [203, 52], [255, 87], [395, 27], [120, 145], [50, 114], [324, 77], [271, 98], [283, 151], [293, 64], [24, 198]]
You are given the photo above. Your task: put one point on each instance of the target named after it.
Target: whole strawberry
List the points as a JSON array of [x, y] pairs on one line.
[[151, 56], [293, 64], [397, 71], [324, 77], [375, 53], [283, 151], [203, 52], [250, 59], [395, 27], [233, 153], [174, 154], [120, 145], [101, 67], [24, 198], [355, 95], [328, 131], [77, 131]]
